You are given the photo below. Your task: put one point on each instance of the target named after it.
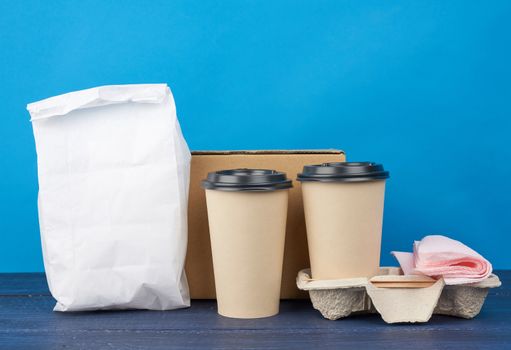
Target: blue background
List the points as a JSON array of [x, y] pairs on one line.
[[421, 86]]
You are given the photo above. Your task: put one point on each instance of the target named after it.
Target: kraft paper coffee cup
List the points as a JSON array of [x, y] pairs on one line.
[[343, 205], [247, 211]]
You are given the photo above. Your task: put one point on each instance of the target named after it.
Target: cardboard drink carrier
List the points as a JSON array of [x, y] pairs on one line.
[[396, 297], [199, 265]]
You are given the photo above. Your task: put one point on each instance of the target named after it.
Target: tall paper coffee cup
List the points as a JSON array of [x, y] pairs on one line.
[[247, 211], [343, 205]]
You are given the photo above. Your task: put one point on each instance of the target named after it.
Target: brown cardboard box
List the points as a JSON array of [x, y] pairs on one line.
[[199, 268]]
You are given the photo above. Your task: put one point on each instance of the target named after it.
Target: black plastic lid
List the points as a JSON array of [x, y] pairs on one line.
[[343, 172], [247, 180]]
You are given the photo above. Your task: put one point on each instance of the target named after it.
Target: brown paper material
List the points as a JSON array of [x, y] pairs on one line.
[[344, 224], [199, 268], [247, 236]]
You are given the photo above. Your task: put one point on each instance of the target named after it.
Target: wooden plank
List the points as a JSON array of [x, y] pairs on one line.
[[23, 284], [221, 339], [27, 322], [36, 313]]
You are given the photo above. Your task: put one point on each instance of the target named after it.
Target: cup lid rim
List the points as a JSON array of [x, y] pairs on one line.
[[343, 172], [247, 179]]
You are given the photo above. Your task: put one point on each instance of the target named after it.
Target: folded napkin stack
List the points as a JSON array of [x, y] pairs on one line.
[[439, 256]]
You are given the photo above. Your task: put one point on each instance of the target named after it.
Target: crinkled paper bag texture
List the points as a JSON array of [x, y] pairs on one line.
[[113, 171]]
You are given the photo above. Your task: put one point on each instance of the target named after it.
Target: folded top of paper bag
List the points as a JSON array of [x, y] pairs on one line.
[[98, 96], [440, 256]]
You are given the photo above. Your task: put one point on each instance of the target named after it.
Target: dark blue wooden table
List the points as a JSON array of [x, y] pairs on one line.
[[28, 322]]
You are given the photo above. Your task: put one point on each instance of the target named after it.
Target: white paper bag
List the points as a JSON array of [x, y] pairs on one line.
[[113, 172]]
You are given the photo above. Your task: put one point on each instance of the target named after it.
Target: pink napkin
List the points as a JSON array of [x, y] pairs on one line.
[[440, 256]]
